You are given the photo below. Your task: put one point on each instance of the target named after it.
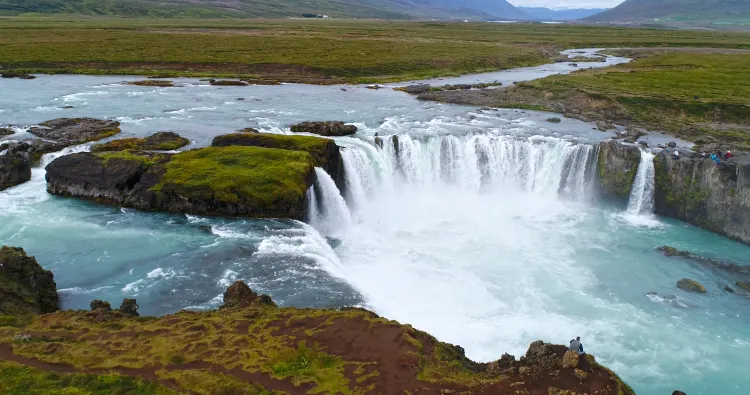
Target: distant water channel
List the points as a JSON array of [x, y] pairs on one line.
[[482, 231]]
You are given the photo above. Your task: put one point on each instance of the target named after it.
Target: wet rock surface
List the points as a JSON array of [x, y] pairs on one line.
[[617, 168], [159, 141], [15, 166], [72, 131], [706, 194], [330, 128]]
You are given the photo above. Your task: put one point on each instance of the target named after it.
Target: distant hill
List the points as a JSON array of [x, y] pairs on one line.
[[648, 10], [566, 14], [499, 9], [384, 9]]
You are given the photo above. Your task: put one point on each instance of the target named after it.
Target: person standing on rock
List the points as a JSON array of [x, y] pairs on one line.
[[575, 345]]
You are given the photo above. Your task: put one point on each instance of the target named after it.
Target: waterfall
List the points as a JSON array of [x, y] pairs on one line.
[[642, 195], [478, 162], [327, 211]]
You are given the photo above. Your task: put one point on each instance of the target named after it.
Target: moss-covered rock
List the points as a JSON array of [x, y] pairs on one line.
[[691, 285], [241, 181], [25, 287], [325, 152], [6, 131], [744, 285], [711, 196], [159, 141], [227, 83], [617, 168]]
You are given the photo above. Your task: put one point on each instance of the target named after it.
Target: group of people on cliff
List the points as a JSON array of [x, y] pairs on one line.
[[717, 156]]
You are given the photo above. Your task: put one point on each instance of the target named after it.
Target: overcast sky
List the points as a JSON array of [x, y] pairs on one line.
[[566, 3]]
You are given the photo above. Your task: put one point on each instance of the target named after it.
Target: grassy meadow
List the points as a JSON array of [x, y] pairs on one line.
[[316, 51]]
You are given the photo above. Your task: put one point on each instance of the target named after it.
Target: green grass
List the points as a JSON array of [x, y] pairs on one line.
[[261, 176], [318, 51], [16, 379]]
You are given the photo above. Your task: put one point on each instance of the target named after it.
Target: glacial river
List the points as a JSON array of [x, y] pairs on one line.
[[482, 231]]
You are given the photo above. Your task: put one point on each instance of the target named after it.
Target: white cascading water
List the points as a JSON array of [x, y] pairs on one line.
[[328, 211], [642, 195], [537, 164]]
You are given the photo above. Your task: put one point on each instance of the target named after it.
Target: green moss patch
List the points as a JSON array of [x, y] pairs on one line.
[[260, 176], [17, 379], [319, 148], [161, 141]]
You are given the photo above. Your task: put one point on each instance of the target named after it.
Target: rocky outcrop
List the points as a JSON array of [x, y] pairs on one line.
[[156, 83], [236, 181], [617, 168], [324, 152], [97, 304], [15, 167], [691, 285], [20, 76], [705, 261], [227, 83], [240, 295], [159, 141], [331, 128], [696, 190], [73, 131], [25, 287], [6, 131], [129, 307]]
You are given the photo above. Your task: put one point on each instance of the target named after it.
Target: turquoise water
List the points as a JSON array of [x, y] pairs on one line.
[[491, 266]]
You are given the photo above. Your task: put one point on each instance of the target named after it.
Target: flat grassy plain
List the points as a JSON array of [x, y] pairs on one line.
[[316, 51]]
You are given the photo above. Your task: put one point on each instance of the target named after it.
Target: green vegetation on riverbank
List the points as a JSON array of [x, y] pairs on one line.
[[316, 51], [698, 96]]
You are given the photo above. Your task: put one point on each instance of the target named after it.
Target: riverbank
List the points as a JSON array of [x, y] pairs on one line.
[[250, 346], [317, 52], [701, 96]]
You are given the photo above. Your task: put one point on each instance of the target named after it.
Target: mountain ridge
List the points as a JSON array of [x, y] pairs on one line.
[[370, 9], [649, 10]]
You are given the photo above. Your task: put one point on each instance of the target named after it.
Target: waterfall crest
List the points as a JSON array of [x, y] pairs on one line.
[[642, 195], [537, 164]]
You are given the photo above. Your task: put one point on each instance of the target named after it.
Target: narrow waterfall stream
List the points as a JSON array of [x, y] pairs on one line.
[[642, 195]]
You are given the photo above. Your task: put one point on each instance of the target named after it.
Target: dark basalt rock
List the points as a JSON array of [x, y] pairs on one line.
[[129, 307], [331, 128], [678, 393], [235, 181], [15, 166], [156, 83], [705, 261], [100, 305], [417, 89], [616, 169], [744, 285], [709, 195], [25, 287], [554, 120], [20, 76], [72, 131], [227, 83], [6, 131]]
